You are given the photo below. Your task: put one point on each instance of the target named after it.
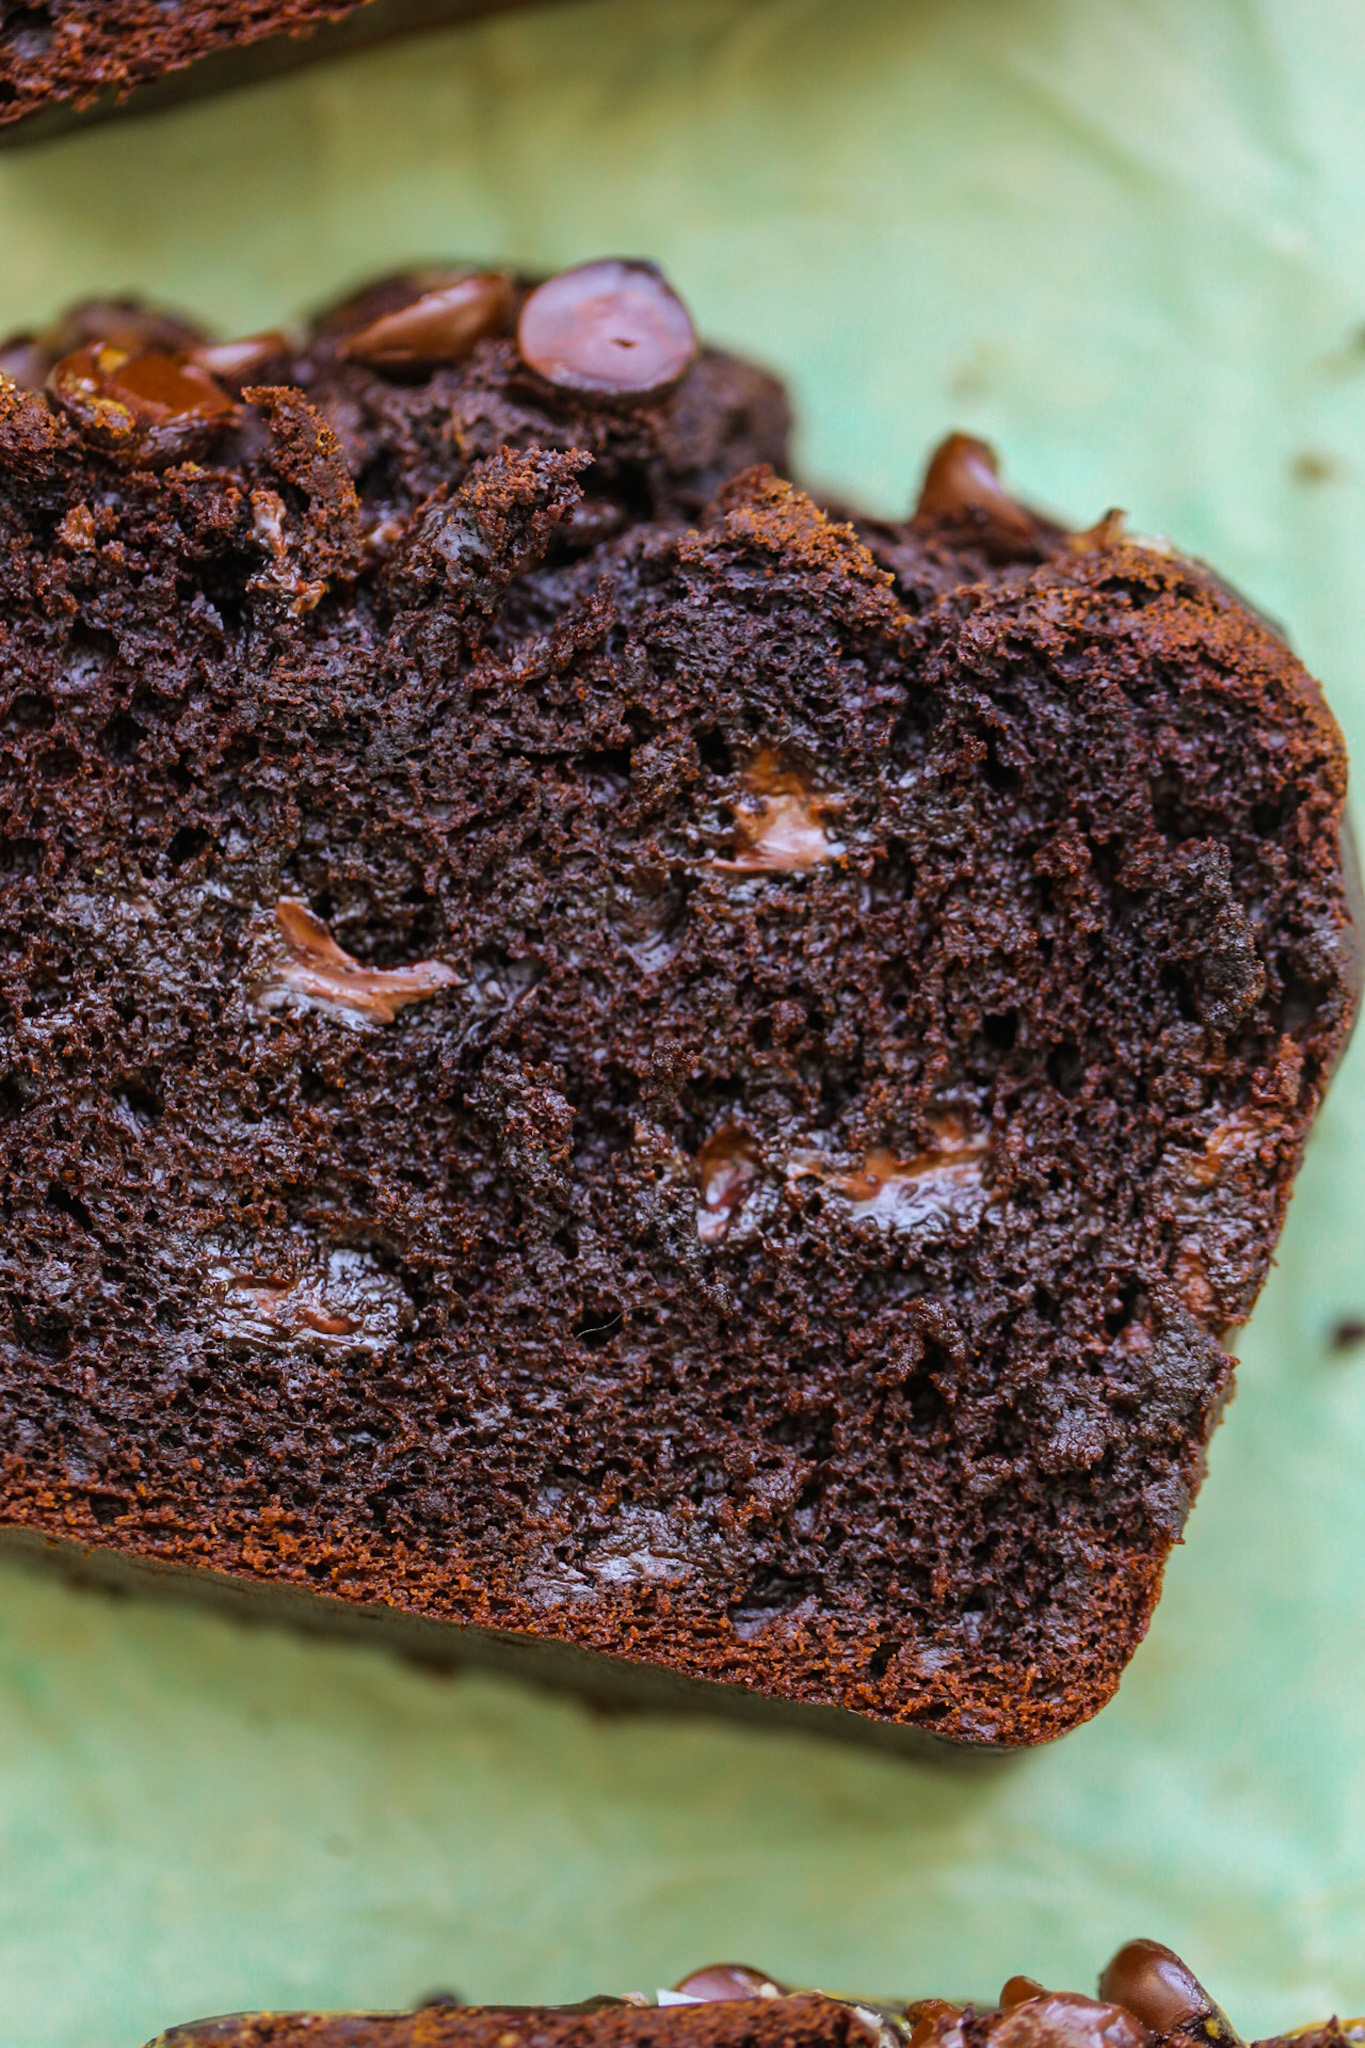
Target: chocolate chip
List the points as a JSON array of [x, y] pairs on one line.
[[962, 482], [728, 1980], [315, 973], [1153, 1984], [613, 331], [781, 824], [1062, 2019], [165, 387], [151, 408], [235, 361], [441, 326], [1018, 1991], [123, 323]]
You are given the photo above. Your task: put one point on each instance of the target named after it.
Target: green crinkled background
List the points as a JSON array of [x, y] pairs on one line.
[[1126, 240]]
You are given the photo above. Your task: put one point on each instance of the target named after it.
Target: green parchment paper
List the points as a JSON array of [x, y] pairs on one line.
[[1126, 240]]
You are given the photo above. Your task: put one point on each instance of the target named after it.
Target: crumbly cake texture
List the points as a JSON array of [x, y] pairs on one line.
[[1148, 1998], [593, 1053], [68, 54]]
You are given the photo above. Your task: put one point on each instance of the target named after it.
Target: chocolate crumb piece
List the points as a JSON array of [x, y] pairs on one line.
[[729, 2005], [533, 952], [1349, 1333]]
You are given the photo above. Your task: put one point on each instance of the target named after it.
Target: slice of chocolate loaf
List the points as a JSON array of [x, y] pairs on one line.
[[1148, 1998], [62, 58], [591, 1054]]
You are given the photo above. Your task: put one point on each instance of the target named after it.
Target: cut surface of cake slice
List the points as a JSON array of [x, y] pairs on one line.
[[592, 1054], [1148, 1998]]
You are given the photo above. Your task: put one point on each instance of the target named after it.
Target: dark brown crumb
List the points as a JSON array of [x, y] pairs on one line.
[[588, 1051]]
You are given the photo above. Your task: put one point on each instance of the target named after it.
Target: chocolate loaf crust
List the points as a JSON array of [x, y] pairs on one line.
[[64, 61], [1148, 1998], [809, 2021], [595, 1055]]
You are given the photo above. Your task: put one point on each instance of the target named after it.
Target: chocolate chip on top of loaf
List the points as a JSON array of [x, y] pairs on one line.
[[1148, 1998], [591, 1052]]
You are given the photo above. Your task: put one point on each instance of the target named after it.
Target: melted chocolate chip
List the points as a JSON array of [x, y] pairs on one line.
[[728, 1980], [150, 408], [281, 574], [612, 331], [1063, 2019], [305, 1294], [781, 823], [916, 1194], [1153, 1984], [164, 387], [1019, 1990], [962, 482], [1230, 1144], [235, 361], [273, 1298], [122, 323], [379, 295], [728, 1166], [439, 327], [934, 2020], [318, 974]]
